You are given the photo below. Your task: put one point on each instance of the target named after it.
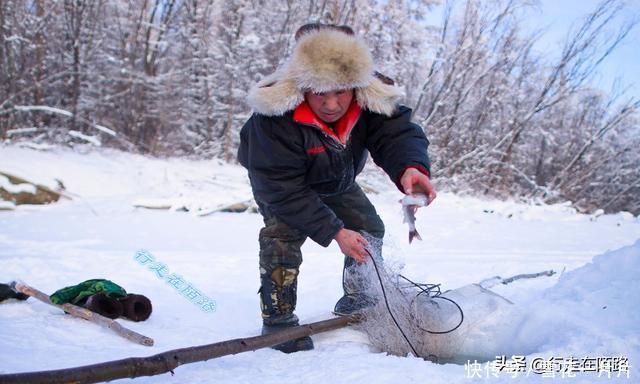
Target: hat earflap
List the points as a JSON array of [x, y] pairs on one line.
[[379, 97]]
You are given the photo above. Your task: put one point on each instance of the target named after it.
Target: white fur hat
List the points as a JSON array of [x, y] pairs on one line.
[[324, 60]]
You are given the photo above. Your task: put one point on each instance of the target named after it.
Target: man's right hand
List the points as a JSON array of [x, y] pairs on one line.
[[352, 244]]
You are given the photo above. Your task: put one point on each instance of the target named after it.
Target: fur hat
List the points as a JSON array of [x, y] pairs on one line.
[[325, 58]]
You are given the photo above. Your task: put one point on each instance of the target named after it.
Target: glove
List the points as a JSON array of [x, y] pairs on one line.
[[7, 291], [106, 306]]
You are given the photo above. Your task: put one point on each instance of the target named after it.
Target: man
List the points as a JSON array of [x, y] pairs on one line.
[[315, 120]]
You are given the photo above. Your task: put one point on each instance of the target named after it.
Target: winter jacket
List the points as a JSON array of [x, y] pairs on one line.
[[295, 159]]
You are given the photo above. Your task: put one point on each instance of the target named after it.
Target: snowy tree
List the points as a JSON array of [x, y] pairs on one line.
[[502, 120], [171, 77]]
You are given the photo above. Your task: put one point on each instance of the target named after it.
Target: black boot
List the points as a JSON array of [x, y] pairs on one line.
[[278, 301], [353, 303], [302, 344], [356, 281]]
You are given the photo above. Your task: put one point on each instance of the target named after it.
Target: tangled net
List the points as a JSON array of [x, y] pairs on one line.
[[419, 319]]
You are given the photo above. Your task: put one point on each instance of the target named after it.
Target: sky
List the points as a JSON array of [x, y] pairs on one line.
[[557, 17], [624, 62]]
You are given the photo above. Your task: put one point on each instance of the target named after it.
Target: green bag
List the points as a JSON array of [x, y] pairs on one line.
[[78, 294]]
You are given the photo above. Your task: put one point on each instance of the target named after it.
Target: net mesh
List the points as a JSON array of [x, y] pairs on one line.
[[446, 327]]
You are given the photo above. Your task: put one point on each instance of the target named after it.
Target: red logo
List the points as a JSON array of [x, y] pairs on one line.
[[316, 150]]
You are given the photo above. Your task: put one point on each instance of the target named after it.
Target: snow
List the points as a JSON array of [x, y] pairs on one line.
[[7, 205], [16, 38], [105, 129], [43, 108], [90, 139], [36, 146], [595, 307], [16, 188], [18, 131], [588, 309]]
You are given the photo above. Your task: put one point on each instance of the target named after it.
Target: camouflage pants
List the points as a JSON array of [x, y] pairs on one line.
[[280, 255]]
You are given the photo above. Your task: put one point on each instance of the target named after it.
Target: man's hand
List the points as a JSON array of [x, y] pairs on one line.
[[352, 244], [414, 181]]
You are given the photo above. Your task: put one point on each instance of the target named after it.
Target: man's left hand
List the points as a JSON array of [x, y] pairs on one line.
[[414, 181]]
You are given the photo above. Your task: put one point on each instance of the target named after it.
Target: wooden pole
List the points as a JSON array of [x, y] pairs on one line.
[[167, 361], [86, 314]]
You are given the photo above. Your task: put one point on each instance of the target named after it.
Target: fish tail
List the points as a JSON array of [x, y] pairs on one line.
[[414, 234]]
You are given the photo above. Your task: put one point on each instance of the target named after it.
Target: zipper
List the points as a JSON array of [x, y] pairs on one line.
[[336, 143]]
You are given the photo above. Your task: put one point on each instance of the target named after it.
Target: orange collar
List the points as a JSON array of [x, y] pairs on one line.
[[304, 115]]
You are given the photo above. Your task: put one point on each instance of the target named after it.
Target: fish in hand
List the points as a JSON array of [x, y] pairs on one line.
[[410, 204]]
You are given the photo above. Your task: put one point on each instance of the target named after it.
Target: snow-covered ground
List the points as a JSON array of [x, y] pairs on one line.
[[589, 309]]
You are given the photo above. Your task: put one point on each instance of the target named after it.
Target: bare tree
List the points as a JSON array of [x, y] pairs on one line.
[[171, 77]]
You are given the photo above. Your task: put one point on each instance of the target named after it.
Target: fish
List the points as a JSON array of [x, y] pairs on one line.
[[410, 203]]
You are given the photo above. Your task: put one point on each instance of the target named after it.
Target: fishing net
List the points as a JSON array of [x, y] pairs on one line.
[[418, 319]]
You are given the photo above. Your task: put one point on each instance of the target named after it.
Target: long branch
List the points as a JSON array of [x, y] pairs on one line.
[[167, 361]]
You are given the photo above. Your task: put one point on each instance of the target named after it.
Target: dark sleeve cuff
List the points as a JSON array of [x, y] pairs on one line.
[[419, 167], [329, 235]]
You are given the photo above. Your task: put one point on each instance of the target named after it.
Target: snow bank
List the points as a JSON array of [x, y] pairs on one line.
[[16, 188], [194, 186], [592, 310], [591, 313]]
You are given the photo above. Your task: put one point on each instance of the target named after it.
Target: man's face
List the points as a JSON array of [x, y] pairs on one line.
[[330, 106]]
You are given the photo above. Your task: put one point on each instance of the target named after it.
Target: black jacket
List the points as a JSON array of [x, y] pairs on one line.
[[292, 165]]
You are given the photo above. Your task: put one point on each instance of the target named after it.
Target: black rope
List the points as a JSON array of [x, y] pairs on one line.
[[432, 290]]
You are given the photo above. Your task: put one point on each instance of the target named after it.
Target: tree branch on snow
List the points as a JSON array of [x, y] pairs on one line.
[[493, 281], [168, 361]]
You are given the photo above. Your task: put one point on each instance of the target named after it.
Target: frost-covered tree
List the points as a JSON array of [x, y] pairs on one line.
[[170, 77], [506, 122]]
